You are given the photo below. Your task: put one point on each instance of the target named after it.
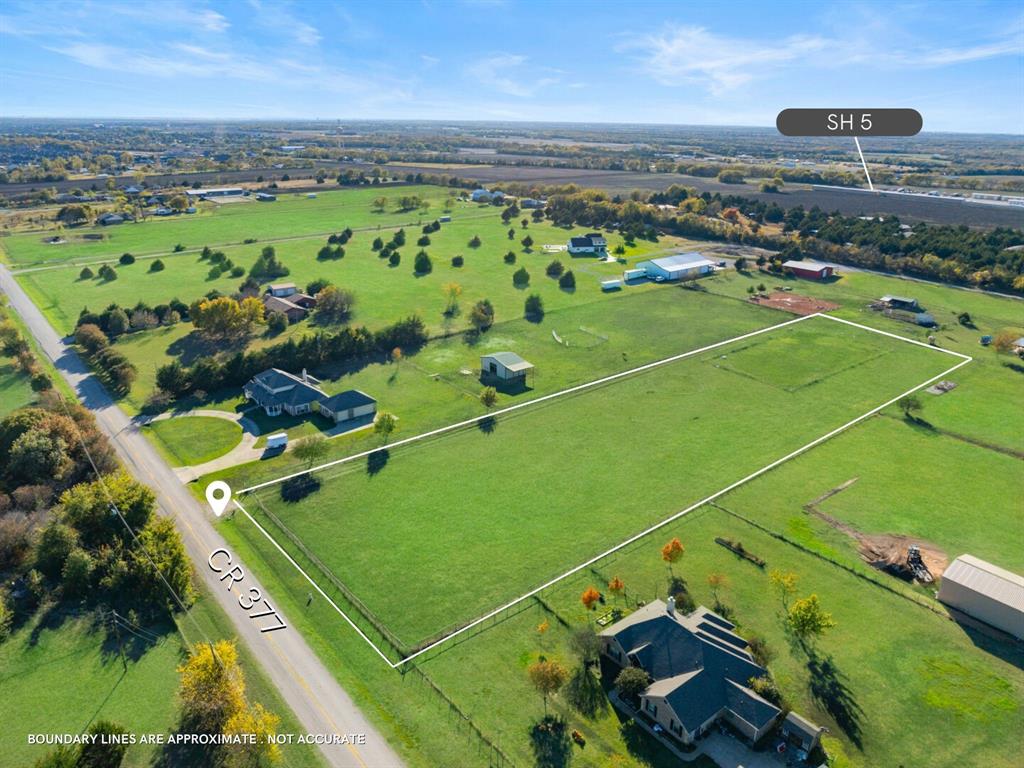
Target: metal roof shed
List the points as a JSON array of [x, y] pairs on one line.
[[986, 592]]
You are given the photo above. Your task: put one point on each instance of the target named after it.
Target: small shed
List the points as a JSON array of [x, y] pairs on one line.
[[282, 289], [900, 302], [349, 406], [812, 270], [504, 367], [986, 592], [801, 732]]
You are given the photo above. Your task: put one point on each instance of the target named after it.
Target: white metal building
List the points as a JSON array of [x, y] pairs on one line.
[[985, 592], [681, 266]]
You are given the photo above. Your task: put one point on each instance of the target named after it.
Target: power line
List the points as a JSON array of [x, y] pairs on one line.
[[139, 545]]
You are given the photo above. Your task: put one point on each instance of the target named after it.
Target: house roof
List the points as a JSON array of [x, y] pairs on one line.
[[342, 401], [279, 304], [581, 242], [510, 360], [1019, 342], [899, 299], [700, 666], [987, 579], [689, 260], [802, 725], [295, 390], [280, 286], [810, 266]]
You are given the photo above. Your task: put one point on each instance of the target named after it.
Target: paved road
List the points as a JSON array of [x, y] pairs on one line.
[[319, 703]]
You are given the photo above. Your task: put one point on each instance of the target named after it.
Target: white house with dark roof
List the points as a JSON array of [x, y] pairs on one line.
[[590, 244], [277, 392], [700, 668]]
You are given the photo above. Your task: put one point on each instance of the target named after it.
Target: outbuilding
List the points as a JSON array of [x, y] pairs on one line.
[[900, 302], [282, 289], [349, 407], [985, 592], [504, 367], [681, 266], [801, 732], [812, 270]]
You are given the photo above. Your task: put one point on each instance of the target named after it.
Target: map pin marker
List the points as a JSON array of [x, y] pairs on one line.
[[218, 494]]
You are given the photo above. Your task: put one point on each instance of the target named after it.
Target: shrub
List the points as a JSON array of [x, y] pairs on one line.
[[377, 244], [458, 261], [488, 396], [40, 382], [510, 258], [521, 277], [277, 322], [107, 273], [126, 259], [314, 287], [533, 308], [156, 266], [423, 241], [90, 338], [475, 241], [555, 268], [215, 272], [237, 271], [179, 248], [567, 282], [85, 274], [422, 264], [482, 315], [395, 259]]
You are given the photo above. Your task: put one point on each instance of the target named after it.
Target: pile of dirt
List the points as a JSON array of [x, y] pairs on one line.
[[889, 552], [794, 302]]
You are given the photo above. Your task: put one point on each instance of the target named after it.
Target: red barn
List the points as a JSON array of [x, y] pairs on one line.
[[812, 270]]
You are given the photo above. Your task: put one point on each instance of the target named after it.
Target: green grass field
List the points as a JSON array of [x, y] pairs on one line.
[[479, 501], [384, 293], [186, 441], [63, 670], [15, 391]]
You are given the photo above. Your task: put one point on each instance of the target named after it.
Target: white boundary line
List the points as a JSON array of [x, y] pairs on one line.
[[964, 360], [529, 403]]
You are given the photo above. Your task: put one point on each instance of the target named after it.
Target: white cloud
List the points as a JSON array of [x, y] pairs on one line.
[[211, 21], [278, 18], [503, 73], [692, 54]]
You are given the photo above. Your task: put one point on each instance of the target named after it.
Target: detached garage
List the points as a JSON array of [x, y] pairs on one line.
[[985, 592], [350, 406]]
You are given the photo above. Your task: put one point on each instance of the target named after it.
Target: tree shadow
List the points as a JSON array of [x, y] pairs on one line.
[[829, 690], [549, 739], [376, 461], [195, 346], [297, 488], [585, 694], [488, 424]]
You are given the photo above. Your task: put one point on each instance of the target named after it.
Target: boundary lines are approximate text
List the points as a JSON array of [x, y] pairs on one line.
[[963, 360]]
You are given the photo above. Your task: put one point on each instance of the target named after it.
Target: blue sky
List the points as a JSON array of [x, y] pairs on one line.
[[960, 64]]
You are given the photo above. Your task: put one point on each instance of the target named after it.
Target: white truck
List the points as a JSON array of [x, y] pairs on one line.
[[277, 441]]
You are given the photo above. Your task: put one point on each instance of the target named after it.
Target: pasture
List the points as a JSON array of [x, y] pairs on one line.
[[480, 499]]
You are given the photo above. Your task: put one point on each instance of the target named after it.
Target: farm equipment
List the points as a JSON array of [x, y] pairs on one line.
[[916, 565]]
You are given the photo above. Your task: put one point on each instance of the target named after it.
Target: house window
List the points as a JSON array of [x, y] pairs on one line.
[[652, 708]]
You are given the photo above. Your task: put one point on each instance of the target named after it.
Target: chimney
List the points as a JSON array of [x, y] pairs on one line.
[[670, 606], [305, 376]]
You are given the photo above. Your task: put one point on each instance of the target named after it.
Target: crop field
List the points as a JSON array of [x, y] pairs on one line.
[[480, 499]]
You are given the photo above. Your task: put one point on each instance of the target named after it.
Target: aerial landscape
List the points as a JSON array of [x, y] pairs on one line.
[[442, 384]]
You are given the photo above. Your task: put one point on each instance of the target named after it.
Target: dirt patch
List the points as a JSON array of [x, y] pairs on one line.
[[885, 551], [794, 302]]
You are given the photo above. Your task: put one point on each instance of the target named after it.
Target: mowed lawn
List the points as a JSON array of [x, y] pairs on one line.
[[186, 441], [384, 293], [15, 391], [471, 519], [293, 214], [439, 385]]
